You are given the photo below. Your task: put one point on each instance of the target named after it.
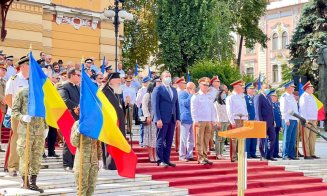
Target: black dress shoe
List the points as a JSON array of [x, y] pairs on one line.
[[315, 157], [44, 156], [162, 164], [208, 162], [191, 159], [307, 157], [272, 159], [294, 158], [301, 155], [171, 164], [255, 157], [53, 155]]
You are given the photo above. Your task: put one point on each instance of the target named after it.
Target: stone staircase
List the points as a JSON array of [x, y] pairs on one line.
[[313, 168], [55, 181]]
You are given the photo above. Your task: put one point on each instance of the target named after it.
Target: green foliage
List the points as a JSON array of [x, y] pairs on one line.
[[141, 37], [286, 73], [227, 73], [308, 37]]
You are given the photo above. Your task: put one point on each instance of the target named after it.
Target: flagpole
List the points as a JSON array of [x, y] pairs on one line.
[[80, 165], [26, 154]]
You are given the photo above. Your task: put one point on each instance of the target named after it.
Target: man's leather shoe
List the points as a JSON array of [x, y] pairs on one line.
[[203, 162], [307, 157], [191, 159], [162, 164], [171, 164], [315, 157], [53, 155], [301, 155], [272, 159], [255, 157], [208, 162], [294, 158], [44, 156], [68, 169]]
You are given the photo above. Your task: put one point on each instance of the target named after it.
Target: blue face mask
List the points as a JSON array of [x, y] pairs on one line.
[[267, 91]]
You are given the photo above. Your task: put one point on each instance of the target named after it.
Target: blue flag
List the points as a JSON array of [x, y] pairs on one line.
[[188, 76], [136, 69], [103, 64], [150, 73], [301, 91], [259, 82]]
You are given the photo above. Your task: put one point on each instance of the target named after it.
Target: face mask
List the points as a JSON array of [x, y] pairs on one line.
[[167, 80], [223, 96], [267, 91]]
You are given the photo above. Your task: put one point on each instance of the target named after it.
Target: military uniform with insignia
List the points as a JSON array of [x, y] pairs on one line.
[[36, 134], [236, 112], [92, 160], [13, 86]]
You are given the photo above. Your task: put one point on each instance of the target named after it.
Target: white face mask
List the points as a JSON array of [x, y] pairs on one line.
[[167, 80]]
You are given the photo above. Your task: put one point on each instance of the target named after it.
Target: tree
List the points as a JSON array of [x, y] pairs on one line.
[[141, 37], [308, 38], [183, 28]]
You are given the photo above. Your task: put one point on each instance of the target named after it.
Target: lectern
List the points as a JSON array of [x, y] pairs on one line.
[[250, 129]]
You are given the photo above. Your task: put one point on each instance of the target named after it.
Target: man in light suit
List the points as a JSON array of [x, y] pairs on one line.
[[166, 115], [266, 113]]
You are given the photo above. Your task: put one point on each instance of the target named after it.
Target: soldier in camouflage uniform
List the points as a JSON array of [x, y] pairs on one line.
[[36, 144], [92, 160]]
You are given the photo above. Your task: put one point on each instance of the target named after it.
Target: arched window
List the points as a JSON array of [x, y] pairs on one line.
[[284, 40], [250, 71], [275, 73], [275, 41]]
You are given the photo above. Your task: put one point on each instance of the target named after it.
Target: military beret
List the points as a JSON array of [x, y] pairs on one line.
[[181, 80], [238, 82], [307, 85], [214, 79]]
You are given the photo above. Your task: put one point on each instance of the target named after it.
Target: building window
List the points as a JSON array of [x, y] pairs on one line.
[[275, 41], [284, 40], [275, 73], [250, 71]]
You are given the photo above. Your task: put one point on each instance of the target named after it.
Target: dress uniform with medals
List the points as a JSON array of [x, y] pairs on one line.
[[13, 86], [92, 160], [309, 111], [117, 101], [236, 112], [36, 142], [251, 143], [204, 117], [289, 123]]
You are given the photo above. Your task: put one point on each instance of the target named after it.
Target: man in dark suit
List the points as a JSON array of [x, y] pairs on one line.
[[70, 93], [266, 113], [112, 90], [166, 115]]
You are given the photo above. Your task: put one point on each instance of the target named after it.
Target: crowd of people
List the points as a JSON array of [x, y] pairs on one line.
[[161, 105]]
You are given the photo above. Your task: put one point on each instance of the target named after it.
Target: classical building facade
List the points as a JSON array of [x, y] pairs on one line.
[[278, 24], [66, 29]]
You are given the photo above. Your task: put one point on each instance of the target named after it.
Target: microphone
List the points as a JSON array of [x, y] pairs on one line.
[[302, 120]]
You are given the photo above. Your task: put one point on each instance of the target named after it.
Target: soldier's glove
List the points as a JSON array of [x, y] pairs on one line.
[[100, 164], [26, 118]]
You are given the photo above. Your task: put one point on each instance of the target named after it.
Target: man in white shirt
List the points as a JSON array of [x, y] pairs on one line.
[[204, 117], [129, 96], [10, 68], [145, 82], [289, 123], [309, 111], [13, 86], [236, 112], [120, 70]]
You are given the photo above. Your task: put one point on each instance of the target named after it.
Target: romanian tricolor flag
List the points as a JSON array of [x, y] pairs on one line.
[[321, 110], [98, 120], [45, 101]]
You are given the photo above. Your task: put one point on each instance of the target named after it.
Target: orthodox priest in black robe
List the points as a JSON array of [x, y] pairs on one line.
[[112, 90]]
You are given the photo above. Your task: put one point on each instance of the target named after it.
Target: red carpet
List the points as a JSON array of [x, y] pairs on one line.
[[221, 177]]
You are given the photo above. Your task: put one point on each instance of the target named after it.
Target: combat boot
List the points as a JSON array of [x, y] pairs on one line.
[[28, 183], [33, 185]]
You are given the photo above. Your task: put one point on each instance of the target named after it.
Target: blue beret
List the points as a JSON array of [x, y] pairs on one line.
[[290, 83], [146, 79]]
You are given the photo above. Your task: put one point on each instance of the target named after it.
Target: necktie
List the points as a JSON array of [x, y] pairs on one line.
[[170, 93]]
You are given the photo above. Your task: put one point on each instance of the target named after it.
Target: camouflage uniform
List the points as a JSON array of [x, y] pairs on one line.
[[36, 144], [92, 154]]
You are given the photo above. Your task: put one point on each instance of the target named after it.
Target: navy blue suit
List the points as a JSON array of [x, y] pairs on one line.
[[166, 110], [251, 143], [266, 113], [278, 125]]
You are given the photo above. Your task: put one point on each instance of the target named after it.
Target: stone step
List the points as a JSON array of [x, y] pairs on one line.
[[18, 191], [153, 192], [298, 162]]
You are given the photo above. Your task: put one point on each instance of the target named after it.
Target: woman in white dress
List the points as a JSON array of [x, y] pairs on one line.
[[150, 129]]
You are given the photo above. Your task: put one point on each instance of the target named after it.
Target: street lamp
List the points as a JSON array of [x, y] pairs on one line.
[[118, 16]]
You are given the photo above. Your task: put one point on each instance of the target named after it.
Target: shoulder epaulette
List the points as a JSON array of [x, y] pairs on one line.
[[14, 77]]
